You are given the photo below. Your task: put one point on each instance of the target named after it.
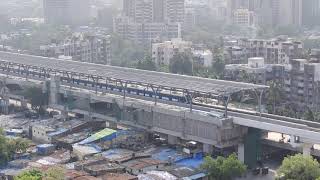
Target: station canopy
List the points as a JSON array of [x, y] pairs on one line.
[[134, 76]]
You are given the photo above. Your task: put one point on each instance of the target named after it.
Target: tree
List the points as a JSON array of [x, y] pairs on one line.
[[146, 64], [181, 63], [299, 167], [309, 115], [8, 147], [38, 99], [124, 52], [30, 175], [55, 173], [18, 145], [5, 153], [219, 63], [223, 168], [274, 95]]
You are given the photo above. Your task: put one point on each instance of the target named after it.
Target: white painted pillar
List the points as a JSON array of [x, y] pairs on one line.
[[306, 149], [172, 140], [54, 90], [111, 125], [207, 148], [241, 152], [293, 141]]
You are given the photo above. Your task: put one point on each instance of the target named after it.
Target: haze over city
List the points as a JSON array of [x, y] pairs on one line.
[[160, 89]]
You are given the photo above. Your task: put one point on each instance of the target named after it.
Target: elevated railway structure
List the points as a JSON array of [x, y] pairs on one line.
[[158, 102]]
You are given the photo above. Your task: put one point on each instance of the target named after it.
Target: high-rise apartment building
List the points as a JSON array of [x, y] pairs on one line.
[[290, 12], [311, 12], [146, 11], [271, 12], [66, 12], [147, 21], [175, 10], [239, 10], [243, 17]]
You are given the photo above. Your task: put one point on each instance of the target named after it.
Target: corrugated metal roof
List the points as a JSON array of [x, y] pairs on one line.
[[191, 83]]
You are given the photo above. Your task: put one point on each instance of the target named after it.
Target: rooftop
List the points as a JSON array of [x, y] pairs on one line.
[[117, 176], [158, 79]]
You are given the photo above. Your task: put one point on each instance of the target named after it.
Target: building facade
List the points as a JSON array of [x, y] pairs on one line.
[[302, 84], [162, 53], [255, 71], [243, 17], [311, 12], [146, 33], [299, 80], [147, 21], [81, 47], [275, 51]]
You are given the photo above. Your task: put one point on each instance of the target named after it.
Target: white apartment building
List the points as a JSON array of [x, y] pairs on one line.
[[163, 52], [203, 57], [243, 17]]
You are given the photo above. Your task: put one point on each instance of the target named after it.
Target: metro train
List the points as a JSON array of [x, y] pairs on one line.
[[183, 99]]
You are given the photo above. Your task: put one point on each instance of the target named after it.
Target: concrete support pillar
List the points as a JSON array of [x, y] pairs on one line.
[[264, 134], [294, 140], [306, 149], [24, 104], [64, 115], [54, 90], [241, 152], [172, 140], [207, 148], [111, 125], [5, 105]]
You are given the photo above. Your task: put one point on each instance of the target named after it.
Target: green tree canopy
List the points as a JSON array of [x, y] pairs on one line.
[[146, 64], [53, 173], [8, 147], [299, 167], [218, 65], [30, 175], [125, 53], [223, 168], [37, 98], [181, 63]]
